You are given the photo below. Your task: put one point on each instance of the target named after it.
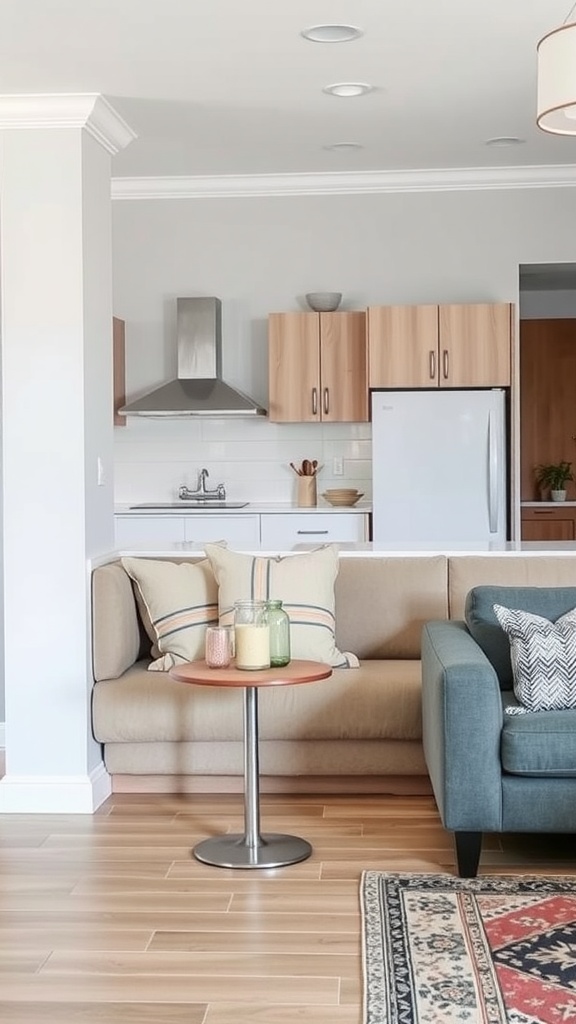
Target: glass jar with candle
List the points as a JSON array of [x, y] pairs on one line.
[[279, 626], [252, 635]]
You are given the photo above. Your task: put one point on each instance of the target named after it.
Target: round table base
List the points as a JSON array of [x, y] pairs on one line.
[[275, 851]]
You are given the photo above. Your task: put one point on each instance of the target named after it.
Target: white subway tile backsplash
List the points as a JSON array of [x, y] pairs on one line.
[[251, 457]]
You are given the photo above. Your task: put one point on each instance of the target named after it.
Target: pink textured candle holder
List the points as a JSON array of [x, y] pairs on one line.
[[219, 646]]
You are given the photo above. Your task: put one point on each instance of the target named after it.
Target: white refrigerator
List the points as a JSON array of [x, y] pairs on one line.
[[439, 464]]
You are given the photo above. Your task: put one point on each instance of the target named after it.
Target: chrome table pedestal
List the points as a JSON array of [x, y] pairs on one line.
[[252, 850]]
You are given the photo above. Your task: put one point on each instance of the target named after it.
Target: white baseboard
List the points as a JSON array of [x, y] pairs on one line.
[[54, 794]]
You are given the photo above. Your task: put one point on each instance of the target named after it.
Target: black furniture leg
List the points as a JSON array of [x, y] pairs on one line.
[[468, 846]]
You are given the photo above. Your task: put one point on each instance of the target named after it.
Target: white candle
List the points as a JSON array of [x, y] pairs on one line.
[[252, 646]]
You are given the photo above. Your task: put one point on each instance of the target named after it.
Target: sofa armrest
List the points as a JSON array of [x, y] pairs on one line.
[[115, 630], [462, 721]]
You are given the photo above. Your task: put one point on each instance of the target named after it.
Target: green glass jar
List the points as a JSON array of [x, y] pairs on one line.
[[279, 626]]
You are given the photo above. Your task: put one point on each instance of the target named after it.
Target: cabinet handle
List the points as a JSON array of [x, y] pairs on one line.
[[544, 512], [432, 364], [311, 531], [445, 364], [326, 401], [314, 401]]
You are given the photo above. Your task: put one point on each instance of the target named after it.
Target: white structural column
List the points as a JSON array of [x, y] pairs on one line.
[[57, 436]]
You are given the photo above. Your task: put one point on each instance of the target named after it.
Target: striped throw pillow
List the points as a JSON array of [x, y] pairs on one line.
[[180, 601], [305, 585], [543, 656]]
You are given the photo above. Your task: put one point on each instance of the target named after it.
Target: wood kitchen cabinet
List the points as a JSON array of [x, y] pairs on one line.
[[548, 523], [547, 406], [119, 369], [318, 367], [446, 346]]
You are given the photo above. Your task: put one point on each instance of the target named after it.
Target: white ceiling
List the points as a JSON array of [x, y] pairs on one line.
[[229, 87]]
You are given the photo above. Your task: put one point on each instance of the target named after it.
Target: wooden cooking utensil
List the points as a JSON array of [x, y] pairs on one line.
[[297, 471], [306, 467]]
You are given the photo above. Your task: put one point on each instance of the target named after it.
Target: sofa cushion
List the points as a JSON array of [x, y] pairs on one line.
[[542, 744], [508, 570], [380, 700], [551, 602], [305, 585], [382, 603], [181, 599], [543, 656]]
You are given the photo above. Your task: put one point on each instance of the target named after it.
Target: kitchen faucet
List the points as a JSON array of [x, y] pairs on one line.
[[201, 492]]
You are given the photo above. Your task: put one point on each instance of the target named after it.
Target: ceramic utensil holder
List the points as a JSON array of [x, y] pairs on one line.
[[307, 493]]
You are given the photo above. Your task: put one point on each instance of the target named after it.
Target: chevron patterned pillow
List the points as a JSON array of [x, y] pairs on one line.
[[543, 655]]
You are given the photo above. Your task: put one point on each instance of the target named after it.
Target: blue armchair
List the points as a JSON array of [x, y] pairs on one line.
[[492, 771]]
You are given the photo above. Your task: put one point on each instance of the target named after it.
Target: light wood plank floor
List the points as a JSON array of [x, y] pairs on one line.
[[108, 919]]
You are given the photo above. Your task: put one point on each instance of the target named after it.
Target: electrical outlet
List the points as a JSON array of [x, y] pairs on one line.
[[338, 466], [100, 472]]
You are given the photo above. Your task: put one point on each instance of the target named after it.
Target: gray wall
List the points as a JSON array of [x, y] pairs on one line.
[[263, 254]]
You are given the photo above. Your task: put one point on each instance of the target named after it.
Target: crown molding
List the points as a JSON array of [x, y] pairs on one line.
[[365, 183], [63, 110]]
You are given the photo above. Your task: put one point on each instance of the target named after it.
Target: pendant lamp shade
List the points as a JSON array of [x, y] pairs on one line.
[[557, 81]]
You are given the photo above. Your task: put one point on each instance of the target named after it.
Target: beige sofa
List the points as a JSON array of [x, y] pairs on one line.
[[361, 728]]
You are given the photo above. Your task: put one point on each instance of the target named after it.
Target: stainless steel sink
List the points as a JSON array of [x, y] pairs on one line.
[[192, 504]]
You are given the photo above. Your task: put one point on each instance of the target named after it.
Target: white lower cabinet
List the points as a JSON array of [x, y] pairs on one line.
[[237, 531], [281, 532], [278, 531], [131, 531]]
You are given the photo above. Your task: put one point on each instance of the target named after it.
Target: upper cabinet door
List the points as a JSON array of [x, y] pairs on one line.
[[343, 368], [475, 345], [403, 346], [294, 367]]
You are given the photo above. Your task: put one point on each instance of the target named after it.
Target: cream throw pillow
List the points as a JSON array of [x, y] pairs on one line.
[[181, 600], [305, 585]]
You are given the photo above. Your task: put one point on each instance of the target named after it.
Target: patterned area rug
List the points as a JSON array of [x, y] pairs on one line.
[[438, 949]]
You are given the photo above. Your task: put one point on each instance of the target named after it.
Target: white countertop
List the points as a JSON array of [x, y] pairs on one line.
[[510, 547], [365, 549], [252, 508]]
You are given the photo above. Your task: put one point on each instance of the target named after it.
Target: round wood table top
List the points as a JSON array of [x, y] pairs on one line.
[[296, 671]]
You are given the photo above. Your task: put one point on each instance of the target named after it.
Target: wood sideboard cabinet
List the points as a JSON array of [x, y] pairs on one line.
[[318, 367], [446, 346], [551, 522]]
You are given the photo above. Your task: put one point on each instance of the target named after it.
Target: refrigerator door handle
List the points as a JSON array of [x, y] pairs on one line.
[[492, 475]]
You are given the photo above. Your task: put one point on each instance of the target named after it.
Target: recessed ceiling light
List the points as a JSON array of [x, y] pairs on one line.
[[344, 147], [331, 33], [505, 140], [348, 89]]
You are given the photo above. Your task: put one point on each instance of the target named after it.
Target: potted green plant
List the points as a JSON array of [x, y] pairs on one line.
[[554, 477]]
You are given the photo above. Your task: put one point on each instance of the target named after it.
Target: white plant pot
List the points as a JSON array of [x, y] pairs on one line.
[[558, 495]]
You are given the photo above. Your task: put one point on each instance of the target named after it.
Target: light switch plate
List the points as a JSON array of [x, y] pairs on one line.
[[338, 466]]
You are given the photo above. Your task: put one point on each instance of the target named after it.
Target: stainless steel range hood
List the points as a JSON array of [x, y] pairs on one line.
[[198, 389]]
